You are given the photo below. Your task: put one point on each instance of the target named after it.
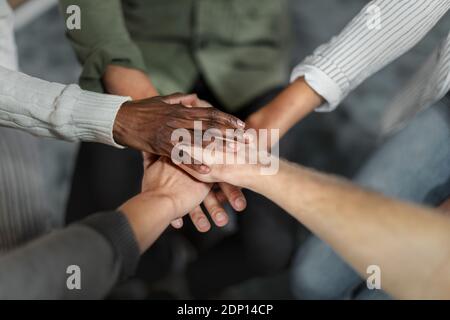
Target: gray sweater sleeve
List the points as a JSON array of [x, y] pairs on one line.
[[102, 246]]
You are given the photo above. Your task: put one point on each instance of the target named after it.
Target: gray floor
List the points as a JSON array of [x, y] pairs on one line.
[[337, 142]]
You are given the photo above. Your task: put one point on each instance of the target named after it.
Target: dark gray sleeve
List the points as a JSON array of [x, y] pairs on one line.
[[103, 246]]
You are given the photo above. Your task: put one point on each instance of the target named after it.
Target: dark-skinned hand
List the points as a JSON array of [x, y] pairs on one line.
[[148, 124], [150, 130]]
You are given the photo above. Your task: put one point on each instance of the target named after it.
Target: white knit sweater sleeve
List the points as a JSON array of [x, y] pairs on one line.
[[54, 110]]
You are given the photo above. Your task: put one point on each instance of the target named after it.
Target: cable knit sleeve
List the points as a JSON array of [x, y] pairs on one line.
[[54, 110]]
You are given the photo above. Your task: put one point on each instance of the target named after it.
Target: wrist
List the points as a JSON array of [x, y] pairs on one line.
[[270, 185], [307, 98], [290, 106], [128, 82], [130, 124], [148, 216], [120, 129], [252, 178]]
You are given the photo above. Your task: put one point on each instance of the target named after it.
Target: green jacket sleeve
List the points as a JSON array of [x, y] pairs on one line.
[[103, 39]]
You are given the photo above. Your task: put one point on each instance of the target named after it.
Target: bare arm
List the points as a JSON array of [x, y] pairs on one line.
[[410, 244]]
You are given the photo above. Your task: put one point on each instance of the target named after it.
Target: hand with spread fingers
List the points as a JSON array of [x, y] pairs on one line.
[[148, 124], [213, 203]]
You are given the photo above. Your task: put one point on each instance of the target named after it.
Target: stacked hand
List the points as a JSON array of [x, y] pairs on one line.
[[167, 194], [148, 124], [242, 172]]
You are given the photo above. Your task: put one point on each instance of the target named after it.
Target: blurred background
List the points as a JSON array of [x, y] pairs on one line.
[[337, 142]]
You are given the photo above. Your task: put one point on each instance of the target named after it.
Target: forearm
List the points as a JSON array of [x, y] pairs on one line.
[[105, 247], [148, 215], [54, 110], [326, 77], [289, 107], [405, 241]]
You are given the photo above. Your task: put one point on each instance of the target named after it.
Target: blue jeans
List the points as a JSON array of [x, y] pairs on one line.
[[413, 165]]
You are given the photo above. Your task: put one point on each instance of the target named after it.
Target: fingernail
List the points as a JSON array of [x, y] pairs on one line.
[[202, 223], [220, 217], [241, 123], [177, 224], [204, 169], [240, 203]]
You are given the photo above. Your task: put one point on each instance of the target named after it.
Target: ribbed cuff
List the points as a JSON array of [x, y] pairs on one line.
[[94, 115], [321, 83], [115, 227]]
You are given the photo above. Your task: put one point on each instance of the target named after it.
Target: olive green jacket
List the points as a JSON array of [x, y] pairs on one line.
[[240, 47]]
